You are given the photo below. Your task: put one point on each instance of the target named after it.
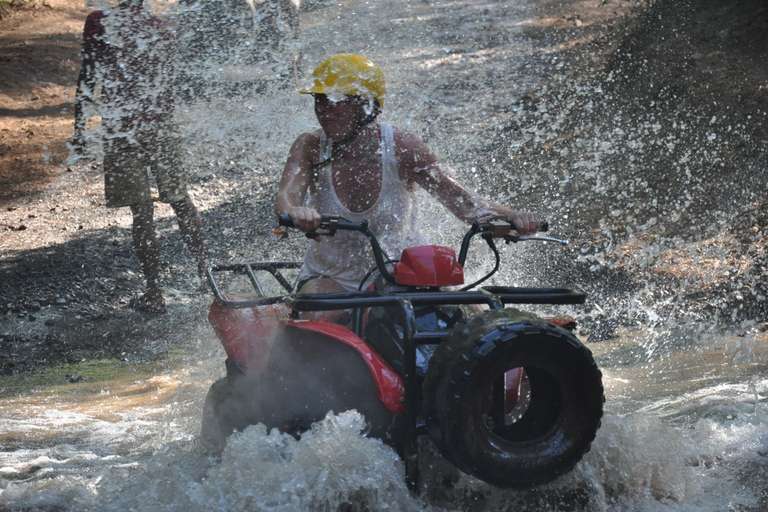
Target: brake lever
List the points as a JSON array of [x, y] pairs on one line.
[[505, 230], [514, 238], [331, 226]]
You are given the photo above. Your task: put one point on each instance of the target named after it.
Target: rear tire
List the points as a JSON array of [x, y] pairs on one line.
[[559, 422]]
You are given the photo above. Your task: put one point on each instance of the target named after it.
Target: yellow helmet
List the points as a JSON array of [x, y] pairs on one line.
[[348, 74]]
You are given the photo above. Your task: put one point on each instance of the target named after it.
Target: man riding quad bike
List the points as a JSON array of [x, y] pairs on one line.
[[504, 395]]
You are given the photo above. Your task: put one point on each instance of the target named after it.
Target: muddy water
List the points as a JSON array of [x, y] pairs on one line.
[[64, 430], [685, 427]]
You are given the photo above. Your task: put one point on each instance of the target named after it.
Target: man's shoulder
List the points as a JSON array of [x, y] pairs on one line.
[[156, 24], [95, 17], [405, 140], [312, 137], [93, 30], [159, 24], [307, 144], [139, 20]]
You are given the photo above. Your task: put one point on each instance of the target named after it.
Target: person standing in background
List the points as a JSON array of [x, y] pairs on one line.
[[128, 67]]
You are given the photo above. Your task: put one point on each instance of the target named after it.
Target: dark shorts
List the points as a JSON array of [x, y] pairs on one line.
[[128, 164]]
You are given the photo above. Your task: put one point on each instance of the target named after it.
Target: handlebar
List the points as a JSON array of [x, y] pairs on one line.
[[331, 224], [494, 229], [500, 228]]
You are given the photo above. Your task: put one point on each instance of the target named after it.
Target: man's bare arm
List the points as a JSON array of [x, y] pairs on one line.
[[417, 164], [297, 178]]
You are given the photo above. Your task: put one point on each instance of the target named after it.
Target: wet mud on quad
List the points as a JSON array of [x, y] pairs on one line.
[[504, 395]]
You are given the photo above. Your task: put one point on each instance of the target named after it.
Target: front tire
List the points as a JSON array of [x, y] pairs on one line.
[[308, 375], [563, 409], [232, 404]]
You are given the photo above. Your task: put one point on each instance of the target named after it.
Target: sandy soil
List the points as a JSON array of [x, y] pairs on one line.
[[40, 52], [67, 268]]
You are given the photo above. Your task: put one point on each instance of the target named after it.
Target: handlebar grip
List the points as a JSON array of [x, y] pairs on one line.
[[285, 220], [544, 226]]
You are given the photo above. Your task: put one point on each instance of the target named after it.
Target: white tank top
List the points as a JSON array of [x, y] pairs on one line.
[[347, 257]]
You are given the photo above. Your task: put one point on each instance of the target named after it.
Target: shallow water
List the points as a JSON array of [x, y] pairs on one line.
[[683, 431]]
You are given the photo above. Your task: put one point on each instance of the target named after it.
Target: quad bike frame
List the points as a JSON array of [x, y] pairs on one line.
[[399, 395]]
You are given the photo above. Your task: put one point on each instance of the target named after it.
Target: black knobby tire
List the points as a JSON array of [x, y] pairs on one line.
[[216, 427], [561, 417], [230, 405]]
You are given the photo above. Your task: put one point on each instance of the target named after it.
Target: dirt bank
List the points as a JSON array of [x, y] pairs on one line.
[[40, 56]]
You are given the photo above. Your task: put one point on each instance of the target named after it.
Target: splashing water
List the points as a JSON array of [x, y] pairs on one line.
[[685, 427], [332, 466]]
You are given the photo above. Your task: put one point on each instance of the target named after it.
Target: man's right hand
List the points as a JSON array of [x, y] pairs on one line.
[[304, 219], [525, 223]]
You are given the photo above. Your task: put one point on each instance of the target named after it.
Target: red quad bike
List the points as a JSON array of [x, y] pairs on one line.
[[505, 396]]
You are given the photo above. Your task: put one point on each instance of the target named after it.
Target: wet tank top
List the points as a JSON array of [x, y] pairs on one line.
[[347, 257]]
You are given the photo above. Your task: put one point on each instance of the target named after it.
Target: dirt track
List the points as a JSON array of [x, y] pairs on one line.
[[67, 268]]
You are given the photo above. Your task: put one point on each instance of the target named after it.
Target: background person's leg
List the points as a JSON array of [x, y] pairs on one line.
[[192, 232], [148, 250]]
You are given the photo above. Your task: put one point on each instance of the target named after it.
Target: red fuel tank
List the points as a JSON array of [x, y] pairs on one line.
[[429, 265]]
